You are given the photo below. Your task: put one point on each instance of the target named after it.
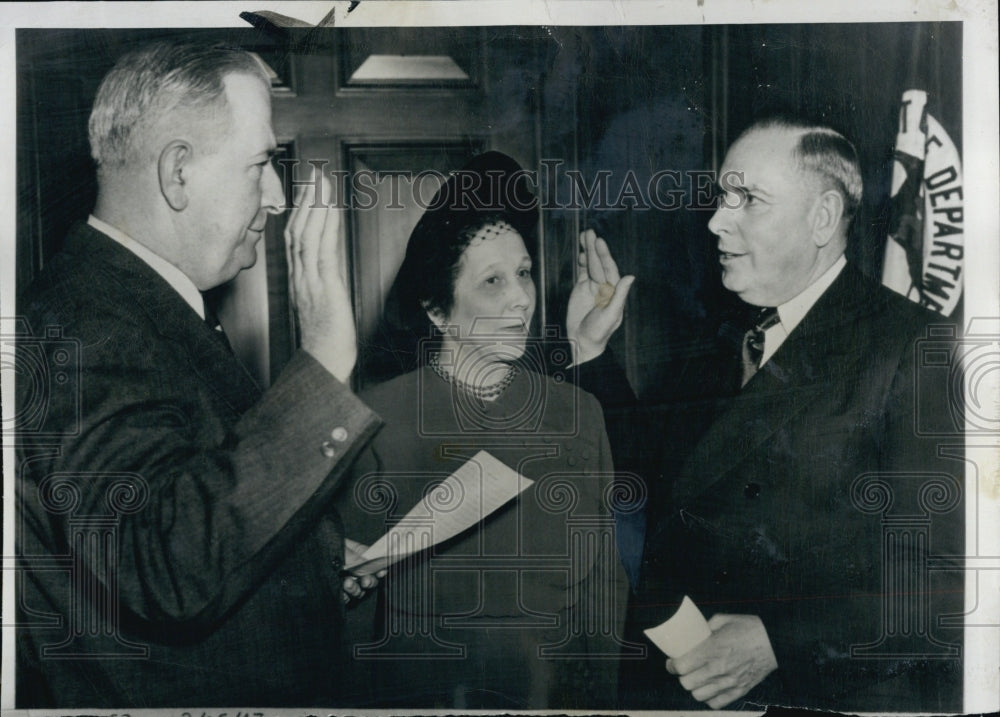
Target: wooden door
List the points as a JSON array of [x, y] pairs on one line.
[[382, 137]]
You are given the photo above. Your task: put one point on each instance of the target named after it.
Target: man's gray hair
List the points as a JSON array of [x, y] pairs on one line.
[[147, 84], [825, 153]]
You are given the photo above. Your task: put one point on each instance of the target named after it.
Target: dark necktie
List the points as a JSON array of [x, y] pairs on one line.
[[212, 320], [753, 341]]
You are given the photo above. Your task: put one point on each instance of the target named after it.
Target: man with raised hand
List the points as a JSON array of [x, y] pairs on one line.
[[177, 539], [797, 464]]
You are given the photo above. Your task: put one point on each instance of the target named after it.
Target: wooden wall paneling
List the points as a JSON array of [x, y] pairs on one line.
[[558, 125], [381, 216], [514, 61], [644, 107]]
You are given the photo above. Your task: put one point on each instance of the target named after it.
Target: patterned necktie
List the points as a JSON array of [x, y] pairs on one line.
[[753, 341]]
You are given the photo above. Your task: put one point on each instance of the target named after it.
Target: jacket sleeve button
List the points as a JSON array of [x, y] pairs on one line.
[[328, 450], [339, 434]]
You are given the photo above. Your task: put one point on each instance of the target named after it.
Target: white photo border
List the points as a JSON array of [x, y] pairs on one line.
[[980, 133]]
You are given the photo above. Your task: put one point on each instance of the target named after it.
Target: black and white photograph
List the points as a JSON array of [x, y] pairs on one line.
[[458, 356]]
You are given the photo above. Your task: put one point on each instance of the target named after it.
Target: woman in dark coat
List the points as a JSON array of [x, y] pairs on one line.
[[524, 610]]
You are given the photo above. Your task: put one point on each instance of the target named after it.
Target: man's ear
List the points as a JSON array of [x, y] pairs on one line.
[[172, 164], [829, 210]]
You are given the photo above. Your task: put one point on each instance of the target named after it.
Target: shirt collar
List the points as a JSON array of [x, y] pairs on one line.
[[794, 310], [177, 279]]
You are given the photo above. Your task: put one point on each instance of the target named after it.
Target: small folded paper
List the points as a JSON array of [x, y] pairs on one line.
[[682, 632]]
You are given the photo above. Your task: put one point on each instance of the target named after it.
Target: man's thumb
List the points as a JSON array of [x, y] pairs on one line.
[[617, 303]]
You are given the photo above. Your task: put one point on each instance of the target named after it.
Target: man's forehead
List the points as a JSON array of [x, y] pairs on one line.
[[249, 101], [247, 91], [764, 155]]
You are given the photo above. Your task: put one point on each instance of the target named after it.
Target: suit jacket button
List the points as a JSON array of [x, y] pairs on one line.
[[339, 434], [751, 490], [328, 450], [721, 576]]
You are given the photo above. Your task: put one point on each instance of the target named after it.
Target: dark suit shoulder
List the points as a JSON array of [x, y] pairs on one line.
[[860, 295], [92, 280]]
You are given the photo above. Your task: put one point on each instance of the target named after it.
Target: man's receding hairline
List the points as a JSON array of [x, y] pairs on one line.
[[795, 135], [209, 129]]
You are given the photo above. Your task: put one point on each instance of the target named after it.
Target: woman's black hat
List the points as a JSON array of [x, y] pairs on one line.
[[490, 184]]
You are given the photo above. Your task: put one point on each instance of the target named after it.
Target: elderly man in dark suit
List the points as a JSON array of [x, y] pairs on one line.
[[175, 527], [805, 506]]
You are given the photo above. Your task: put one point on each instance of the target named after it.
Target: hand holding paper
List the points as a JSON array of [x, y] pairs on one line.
[[476, 489], [733, 660], [355, 586]]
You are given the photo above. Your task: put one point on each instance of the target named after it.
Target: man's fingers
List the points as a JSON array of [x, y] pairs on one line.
[[290, 262], [581, 259], [700, 678], [351, 587], [294, 230], [581, 265], [726, 698], [311, 240], [306, 197], [616, 306], [608, 265], [337, 248], [594, 266], [329, 251], [710, 688], [688, 662]]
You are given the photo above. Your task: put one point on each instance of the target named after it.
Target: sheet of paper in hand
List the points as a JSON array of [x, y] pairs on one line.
[[479, 487], [685, 629]]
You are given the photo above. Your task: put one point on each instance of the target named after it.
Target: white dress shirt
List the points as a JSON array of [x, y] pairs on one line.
[[794, 310], [170, 273]]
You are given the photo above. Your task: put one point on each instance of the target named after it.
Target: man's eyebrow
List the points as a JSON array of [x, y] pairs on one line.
[[729, 187], [751, 188]]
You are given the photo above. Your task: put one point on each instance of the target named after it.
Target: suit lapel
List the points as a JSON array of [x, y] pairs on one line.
[[799, 370], [206, 351]]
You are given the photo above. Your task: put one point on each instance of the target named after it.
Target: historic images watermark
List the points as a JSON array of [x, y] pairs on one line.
[[917, 509], [572, 501], [552, 186], [91, 505]]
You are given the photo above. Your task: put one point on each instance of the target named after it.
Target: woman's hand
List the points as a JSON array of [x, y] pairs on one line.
[[318, 278], [597, 303]]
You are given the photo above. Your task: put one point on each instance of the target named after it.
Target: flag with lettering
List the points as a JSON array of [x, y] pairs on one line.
[[925, 248]]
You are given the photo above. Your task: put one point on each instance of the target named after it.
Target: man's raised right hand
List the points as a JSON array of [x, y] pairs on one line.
[[317, 267]]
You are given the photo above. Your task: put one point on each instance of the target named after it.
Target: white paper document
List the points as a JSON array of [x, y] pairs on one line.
[[479, 487], [682, 632]]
